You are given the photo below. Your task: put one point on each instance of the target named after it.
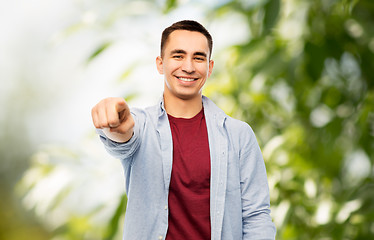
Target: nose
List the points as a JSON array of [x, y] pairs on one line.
[[188, 66]]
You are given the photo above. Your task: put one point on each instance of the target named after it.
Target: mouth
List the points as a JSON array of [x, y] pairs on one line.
[[187, 79]]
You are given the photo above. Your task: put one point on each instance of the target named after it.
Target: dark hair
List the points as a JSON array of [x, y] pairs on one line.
[[188, 25]]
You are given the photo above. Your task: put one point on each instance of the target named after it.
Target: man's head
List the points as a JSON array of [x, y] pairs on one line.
[[188, 25], [185, 60]]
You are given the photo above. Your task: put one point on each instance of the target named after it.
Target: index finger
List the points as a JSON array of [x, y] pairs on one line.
[[121, 105]]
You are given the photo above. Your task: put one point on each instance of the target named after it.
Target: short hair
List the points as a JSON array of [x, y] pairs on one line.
[[188, 25]]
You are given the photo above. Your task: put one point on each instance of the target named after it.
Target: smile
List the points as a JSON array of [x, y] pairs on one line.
[[187, 79]]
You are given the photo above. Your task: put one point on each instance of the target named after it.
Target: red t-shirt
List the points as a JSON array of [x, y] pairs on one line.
[[189, 192]]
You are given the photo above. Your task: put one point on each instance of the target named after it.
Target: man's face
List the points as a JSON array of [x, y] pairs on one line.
[[185, 64]]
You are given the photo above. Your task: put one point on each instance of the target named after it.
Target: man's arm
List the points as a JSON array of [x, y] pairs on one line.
[[112, 115], [257, 222]]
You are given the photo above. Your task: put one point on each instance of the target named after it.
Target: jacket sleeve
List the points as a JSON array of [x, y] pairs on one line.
[[123, 151], [257, 222]]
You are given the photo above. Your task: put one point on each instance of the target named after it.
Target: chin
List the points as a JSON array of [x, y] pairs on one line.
[[188, 96]]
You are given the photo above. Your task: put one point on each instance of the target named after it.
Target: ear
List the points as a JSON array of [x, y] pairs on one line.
[[159, 65], [211, 65]]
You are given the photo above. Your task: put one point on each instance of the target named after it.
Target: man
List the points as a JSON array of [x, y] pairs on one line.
[[192, 172]]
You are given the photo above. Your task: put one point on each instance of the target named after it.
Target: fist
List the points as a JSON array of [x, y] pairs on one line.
[[114, 117]]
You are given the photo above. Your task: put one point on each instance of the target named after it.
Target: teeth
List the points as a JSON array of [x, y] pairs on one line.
[[186, 79]]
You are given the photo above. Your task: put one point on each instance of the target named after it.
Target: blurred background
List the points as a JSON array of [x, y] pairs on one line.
[[298, 71]]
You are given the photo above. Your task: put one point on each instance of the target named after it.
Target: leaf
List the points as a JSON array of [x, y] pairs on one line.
[[170, 5], [113, 225], [315, 56], [130, 96], [98, 51], [127, 72], [271, 15]]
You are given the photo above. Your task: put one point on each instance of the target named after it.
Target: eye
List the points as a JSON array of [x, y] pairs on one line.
[[200, 59], [177, 56]]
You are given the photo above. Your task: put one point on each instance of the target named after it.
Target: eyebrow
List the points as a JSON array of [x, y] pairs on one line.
[[180, 51], [200, 54]]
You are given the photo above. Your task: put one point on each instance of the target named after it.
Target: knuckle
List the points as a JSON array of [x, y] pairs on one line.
[[112, 122]]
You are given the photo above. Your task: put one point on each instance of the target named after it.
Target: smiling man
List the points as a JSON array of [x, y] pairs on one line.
[[192, 172]]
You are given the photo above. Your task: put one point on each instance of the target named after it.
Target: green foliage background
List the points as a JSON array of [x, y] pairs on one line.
[[303, 80], [326, 71]]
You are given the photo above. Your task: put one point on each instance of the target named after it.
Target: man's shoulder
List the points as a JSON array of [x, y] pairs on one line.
[[230, 122], [238, 127]]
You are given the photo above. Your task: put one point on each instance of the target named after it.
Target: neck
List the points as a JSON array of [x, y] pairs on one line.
[[182, 108]]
